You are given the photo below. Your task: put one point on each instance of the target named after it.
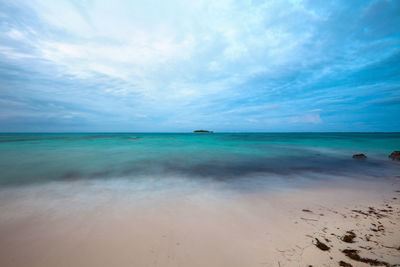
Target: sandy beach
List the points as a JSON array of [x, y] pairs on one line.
[[92, 224]]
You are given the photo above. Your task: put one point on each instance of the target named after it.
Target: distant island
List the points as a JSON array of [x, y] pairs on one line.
[[202, 131]]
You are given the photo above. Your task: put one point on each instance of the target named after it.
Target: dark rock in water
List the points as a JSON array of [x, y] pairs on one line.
[[395, 155], [202, 131], [359, 156]]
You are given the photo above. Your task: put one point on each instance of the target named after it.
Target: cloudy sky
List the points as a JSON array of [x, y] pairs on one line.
[[180, 65]]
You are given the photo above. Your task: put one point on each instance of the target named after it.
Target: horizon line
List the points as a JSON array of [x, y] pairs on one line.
[[187, 132]]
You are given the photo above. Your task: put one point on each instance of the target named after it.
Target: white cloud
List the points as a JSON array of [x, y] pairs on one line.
[[16, 34], [178, 43], [12, 53]]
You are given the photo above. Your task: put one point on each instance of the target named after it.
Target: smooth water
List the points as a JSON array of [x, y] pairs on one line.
[[40, 158]]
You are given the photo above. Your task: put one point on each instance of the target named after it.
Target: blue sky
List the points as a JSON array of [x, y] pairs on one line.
[[180, 65]]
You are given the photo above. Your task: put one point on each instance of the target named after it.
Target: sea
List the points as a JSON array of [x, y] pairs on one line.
[[266, 160]]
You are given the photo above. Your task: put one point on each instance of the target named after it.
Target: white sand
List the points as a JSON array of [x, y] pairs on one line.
[[94, 225]]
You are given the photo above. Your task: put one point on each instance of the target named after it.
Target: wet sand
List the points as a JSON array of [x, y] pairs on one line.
[[107, 224]]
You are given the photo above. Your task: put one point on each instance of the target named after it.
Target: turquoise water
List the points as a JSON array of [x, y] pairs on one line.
[[41, 158]]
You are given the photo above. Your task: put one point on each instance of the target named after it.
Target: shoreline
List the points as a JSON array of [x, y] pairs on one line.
[[101, 225]]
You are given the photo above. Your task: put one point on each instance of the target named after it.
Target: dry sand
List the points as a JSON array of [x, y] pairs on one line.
[[105, 226]]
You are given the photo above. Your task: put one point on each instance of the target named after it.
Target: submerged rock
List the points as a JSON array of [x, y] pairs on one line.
[[359, 156], [395, 155]]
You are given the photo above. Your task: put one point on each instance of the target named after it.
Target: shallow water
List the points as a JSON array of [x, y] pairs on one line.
[[40, 158]]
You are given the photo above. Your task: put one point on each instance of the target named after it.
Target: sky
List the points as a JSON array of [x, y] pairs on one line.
[[178, 65]]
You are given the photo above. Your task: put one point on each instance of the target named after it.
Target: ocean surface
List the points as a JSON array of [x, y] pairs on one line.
[[273, 159]]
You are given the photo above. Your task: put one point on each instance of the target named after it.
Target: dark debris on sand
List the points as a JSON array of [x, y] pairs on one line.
[[374, 217], [371, 211], [320, 245], [353, 254], [345, 264], [349, 237]]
